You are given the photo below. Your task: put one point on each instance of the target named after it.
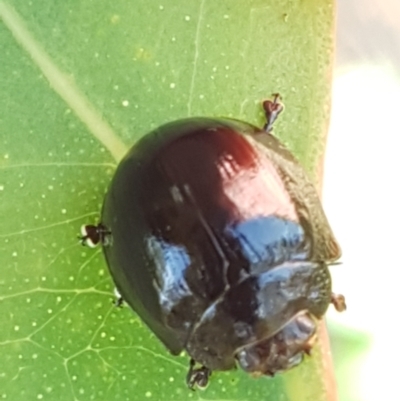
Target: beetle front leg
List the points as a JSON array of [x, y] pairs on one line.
[[197, 376], [93, 236], [272, 109]]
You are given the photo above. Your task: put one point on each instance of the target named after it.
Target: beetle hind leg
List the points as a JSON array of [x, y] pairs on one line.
[[339, 302], [197, 377]]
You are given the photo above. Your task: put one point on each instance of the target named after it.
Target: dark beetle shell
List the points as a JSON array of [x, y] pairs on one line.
[[218, 240]]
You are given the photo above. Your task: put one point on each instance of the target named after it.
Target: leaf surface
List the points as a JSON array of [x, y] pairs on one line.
[[80, 83]]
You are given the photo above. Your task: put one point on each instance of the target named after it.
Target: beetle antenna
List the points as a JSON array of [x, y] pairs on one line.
[[338, 263]]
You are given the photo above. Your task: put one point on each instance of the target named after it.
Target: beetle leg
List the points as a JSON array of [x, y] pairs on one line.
[[339, 302], [197, 376], [118, 301], [272, 109], [92, 236]]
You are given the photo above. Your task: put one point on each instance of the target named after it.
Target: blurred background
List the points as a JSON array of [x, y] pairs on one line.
[[361, 197]]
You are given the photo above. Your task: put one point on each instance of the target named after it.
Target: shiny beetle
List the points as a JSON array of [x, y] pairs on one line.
[[214, 235]]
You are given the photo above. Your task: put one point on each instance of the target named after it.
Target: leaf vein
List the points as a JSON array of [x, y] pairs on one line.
[[196, 56], [62, 84], [58, 223]]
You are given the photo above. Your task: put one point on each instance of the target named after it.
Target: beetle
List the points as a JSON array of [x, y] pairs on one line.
[[215, 236]]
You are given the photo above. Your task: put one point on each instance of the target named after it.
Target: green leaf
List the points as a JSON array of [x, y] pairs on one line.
[[80, 82]]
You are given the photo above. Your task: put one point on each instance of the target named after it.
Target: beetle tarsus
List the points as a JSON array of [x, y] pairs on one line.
[[308, 348], [92, 235], [197, 377], [339, 302], [118, 302], [272, 109]]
